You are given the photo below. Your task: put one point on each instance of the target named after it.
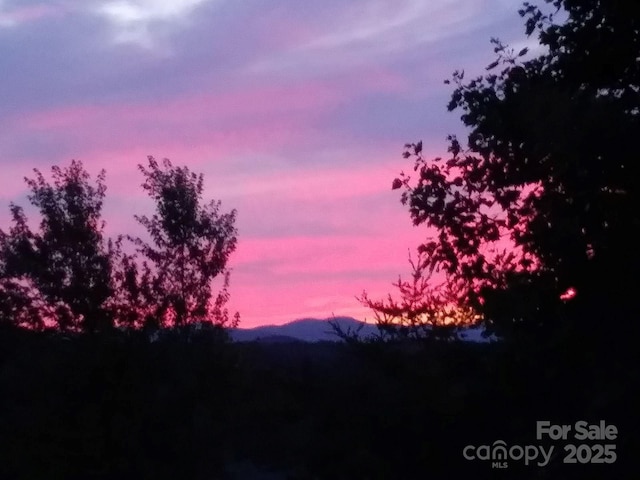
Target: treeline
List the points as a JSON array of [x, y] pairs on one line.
[[113, 406], [68, 276]]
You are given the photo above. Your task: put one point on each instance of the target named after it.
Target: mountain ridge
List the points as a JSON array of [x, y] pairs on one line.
[[318, 329]]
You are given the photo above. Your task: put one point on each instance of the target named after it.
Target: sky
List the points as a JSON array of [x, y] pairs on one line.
[[296, 112]]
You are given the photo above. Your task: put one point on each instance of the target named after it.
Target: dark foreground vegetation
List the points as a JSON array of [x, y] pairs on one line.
[[198, 407]]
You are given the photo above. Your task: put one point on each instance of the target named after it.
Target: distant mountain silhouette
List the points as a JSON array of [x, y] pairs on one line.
[[317, 330], [305, 329]]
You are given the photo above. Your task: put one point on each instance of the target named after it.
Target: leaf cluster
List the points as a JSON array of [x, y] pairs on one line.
[[543, 196], [66, 275]]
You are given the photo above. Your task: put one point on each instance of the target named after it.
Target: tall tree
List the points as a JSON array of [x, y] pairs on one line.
[[190, 246], [544, 198], [60, 274]]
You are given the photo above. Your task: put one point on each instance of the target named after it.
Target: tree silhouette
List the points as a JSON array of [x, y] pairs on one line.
[[544, 198], [190, 246], [62, 273], [425, 310]]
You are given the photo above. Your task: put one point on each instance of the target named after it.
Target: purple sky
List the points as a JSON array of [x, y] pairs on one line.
[[295, 111]]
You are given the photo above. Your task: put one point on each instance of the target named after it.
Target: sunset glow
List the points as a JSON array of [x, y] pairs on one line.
[[295, 112]]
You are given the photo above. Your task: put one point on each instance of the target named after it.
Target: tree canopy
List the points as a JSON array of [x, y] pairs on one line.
[[68, 276], [61, 273], [190, 246], [544, 196]]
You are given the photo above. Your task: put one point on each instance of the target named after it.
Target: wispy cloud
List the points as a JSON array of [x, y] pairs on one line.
[[137, 22]]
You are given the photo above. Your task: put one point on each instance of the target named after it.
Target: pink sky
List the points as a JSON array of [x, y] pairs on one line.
[[296, 113]]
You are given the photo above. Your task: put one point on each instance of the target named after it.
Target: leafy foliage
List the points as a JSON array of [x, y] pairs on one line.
[[424, 311], [190, 246], [62, 273], [544, 197], [68, 277]]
